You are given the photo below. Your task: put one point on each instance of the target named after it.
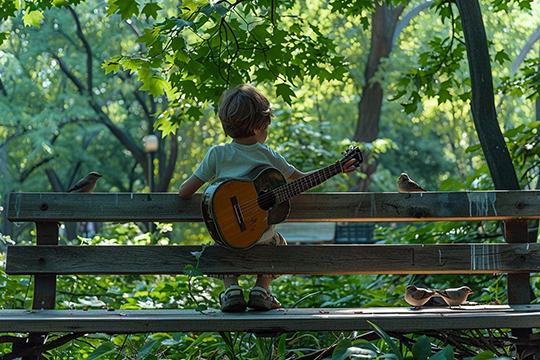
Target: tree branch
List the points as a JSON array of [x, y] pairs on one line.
[[523, 53], [87, 48], [407, 19], [63, 66]]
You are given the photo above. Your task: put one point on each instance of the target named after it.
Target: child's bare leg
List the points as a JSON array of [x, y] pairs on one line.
[[263, 282], [260, 297], [230, 281]]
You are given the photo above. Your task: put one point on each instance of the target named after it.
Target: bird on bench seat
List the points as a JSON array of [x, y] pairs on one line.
[[418, 296], [455, 297]]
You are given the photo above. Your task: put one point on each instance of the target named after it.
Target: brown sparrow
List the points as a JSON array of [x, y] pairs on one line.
[[405, 184], [455, 297], [86, 184], [418, 296]]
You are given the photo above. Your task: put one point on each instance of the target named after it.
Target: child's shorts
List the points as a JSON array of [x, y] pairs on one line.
[[276, 240]]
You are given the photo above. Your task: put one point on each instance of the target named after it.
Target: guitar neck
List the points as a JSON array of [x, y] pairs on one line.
[[287, 191]]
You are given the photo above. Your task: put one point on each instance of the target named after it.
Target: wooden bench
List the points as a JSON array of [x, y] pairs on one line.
[[47, 259]]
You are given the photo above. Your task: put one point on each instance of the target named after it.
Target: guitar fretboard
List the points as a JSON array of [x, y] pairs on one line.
[[285, 192]]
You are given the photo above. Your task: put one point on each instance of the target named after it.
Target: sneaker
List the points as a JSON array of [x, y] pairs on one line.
[[262, 299], [232, 299]]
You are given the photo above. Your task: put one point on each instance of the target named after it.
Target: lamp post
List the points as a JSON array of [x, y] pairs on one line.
[[151, 146]]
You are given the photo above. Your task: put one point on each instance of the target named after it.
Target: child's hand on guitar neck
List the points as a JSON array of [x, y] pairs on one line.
[[349, 167]]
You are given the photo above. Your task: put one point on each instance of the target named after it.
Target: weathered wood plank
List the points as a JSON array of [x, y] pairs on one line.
[[354, 206], [303, 259], [45, 285], [274, 321]]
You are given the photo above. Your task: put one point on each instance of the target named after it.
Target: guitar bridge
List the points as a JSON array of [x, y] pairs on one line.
[[238, 213]]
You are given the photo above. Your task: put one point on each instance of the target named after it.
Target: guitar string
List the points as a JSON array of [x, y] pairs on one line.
[[287, 191]]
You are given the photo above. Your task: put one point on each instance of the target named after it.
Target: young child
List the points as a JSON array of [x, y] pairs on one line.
[[245, 115]]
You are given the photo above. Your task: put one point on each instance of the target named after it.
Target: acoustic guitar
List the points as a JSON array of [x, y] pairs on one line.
[[237, 212]]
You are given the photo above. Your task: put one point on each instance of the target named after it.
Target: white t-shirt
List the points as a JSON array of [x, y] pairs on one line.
[[234, 161]]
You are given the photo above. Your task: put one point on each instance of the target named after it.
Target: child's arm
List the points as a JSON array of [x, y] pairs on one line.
[[189, 187]]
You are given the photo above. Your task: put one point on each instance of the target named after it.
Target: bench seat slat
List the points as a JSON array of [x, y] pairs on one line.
[[300, 259], [282, 320], [344, 206]]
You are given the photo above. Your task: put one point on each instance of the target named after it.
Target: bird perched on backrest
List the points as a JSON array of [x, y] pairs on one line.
[[418, 296], [86, 184], [455, 297], [405, 184]]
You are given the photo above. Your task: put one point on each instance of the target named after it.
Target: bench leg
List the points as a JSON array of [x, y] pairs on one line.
[[518, 285], [44, 287]]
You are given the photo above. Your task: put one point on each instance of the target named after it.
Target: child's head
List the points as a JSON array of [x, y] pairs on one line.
[[243, 109]]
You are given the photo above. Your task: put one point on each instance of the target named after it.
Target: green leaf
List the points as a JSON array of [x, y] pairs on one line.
[[151, 10], [181, 23], [444, 354], [197, 254], [221, 10], [444, 96], [422, 348], [3, 36], [285, 92], [383, 335], [191, 270], [281, 347], [473, 148], [148, 37], [502, 57], [111, 66], [195, 67], [341, 350], [126, 8], [166, 125], [156, 85], [202, 307], [101, 350], [145, 350], [484, 355], [32, 17]]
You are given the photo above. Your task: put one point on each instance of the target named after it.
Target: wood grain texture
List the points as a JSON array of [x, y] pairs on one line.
[[354, 206], [274, 321], [45, 285], [300, 259]]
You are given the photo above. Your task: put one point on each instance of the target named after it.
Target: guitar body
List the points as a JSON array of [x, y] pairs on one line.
[[238, 212]]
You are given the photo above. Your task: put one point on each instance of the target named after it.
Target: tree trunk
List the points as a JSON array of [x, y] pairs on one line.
[[483, 102], [384, 21]]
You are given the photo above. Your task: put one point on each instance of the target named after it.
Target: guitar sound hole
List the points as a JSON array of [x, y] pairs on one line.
[[266, 200]]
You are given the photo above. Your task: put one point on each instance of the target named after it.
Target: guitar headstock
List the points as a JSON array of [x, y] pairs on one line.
[[353, 152]]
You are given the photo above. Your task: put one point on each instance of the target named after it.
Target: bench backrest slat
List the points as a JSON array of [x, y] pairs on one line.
[[303, 259], [354, 206]]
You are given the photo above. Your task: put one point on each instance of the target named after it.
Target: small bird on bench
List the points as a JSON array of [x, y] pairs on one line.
[[86, 184], [455, 297], [406, 185], [418, 296]]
